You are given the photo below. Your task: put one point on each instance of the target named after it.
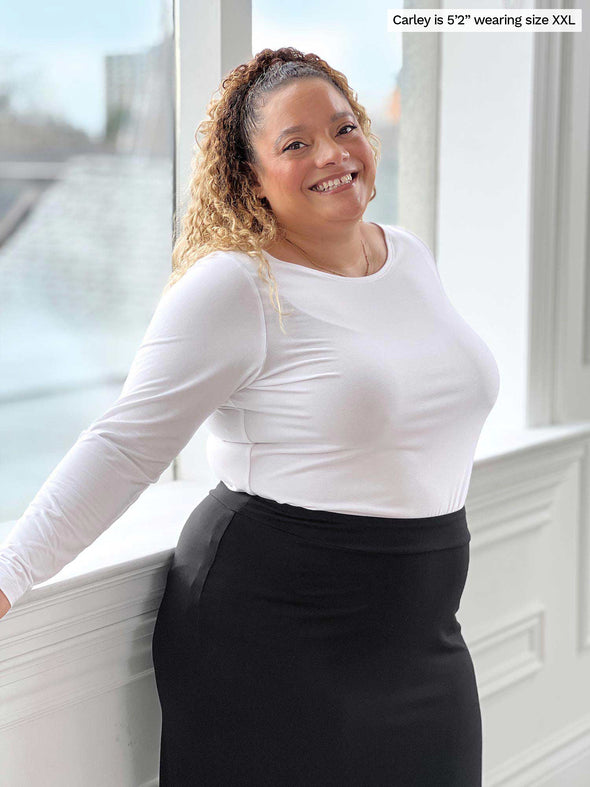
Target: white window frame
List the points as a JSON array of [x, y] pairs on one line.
[[559, 360], [419, 132], [211, 38]]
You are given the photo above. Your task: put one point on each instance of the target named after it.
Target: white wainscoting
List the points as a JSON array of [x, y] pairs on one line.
[[524, 613], [78, 702]]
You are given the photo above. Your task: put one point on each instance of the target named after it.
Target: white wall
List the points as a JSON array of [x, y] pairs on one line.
[[484, 196]]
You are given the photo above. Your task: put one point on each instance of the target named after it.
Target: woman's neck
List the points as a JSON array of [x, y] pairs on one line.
[[343, 255]]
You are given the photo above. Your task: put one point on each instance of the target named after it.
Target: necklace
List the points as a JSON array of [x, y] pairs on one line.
[[366, 273]]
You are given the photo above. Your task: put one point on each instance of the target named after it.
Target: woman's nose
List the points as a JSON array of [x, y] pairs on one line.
[[330, 151]]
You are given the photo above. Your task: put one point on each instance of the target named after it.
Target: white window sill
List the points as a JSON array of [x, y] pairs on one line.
[[145, 536], [498, 444]]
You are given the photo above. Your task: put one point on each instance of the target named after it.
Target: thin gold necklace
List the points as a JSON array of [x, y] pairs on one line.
[[366, 273]]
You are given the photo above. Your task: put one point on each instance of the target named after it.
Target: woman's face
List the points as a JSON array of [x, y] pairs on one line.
[[325, 146]]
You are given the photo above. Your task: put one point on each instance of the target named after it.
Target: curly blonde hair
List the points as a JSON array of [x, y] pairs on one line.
[[224, 213]]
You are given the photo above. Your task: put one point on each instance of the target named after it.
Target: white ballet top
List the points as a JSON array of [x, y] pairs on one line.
[[372, 403]]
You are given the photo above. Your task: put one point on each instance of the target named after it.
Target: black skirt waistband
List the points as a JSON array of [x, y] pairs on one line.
[[351, 531]]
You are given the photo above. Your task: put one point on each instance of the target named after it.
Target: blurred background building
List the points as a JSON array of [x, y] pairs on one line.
[[85, 250]]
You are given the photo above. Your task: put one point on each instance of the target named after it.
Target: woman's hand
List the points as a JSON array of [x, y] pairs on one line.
[[4, 604]]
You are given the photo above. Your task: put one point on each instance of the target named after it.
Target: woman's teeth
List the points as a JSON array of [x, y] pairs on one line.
[[332, 184]]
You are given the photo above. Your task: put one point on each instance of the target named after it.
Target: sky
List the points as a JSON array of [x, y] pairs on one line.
[[350, 35], [54, 51]]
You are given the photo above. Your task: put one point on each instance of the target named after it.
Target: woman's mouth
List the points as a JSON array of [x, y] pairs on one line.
[[338, 184]]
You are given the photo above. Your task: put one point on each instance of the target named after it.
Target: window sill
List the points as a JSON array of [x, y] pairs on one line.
[[497, 444], [144, 537]]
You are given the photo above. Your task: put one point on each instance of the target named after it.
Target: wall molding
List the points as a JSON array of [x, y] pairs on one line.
[[583, 553], [547, 761], [515, 494], [80, 644], [509, 650]]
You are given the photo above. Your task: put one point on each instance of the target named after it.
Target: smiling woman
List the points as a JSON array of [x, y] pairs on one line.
[[292, 122], [307, 634]]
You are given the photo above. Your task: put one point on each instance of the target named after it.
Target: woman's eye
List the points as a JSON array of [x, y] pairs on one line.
[[290, 147]]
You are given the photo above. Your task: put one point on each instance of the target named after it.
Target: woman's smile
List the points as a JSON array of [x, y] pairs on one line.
[[325, 187]]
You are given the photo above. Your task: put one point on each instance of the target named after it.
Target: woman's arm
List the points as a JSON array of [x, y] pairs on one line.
[[206, 339], [4, 604]]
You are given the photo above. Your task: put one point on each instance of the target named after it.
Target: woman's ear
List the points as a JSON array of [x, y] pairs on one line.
[[256, 187]]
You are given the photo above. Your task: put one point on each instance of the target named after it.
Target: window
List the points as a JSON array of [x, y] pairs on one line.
[[86, 201]]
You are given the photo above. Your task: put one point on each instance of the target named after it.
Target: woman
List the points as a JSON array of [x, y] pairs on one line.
[[307, 634]]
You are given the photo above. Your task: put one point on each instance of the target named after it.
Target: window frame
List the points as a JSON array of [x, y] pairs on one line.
[[224, 31]]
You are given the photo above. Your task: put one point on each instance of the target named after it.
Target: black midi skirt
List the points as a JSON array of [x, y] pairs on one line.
[[302, 648]]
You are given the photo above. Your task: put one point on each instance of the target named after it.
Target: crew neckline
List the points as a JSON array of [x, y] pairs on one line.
[[387, 265]]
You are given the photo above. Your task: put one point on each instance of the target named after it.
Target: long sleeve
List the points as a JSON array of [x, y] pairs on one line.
[[205, 341]]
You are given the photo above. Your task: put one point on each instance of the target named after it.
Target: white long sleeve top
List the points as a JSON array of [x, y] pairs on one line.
[[372, 403]]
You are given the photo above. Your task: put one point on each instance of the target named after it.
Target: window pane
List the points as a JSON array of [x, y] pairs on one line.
[[352, 37], [86, 189]]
